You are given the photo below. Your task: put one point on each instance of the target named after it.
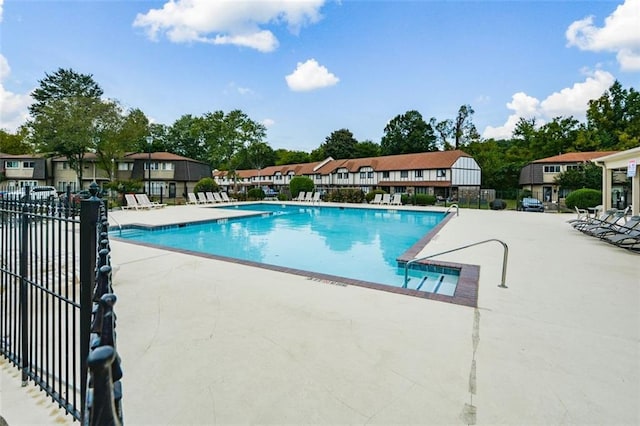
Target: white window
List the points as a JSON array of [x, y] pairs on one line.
[[11, 164], [441, 173], [363, 175], [370, 175], [28, 164], [552, 169], [124, 166], [404, 174], [418, 173], [385, 175]]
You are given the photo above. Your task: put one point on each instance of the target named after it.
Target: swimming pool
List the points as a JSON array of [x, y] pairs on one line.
[[355, 243]]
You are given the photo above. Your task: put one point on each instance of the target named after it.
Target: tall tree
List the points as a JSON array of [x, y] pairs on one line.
[[186, 137], [67, 127], [464, 131], [408, 133], [117, 133], [63, 84], [443, 131], [256, 155], [614, 118], [227, 134], [340, 144], [65, 116]]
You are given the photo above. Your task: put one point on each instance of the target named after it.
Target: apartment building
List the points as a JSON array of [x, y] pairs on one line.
[[441, 173], [539, 176], [161, 172]]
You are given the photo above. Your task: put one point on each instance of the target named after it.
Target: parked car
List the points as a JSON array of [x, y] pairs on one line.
[[530, 205], [38, 193]]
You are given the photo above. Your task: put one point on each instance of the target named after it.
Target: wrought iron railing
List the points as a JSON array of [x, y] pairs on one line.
[[48, 260]]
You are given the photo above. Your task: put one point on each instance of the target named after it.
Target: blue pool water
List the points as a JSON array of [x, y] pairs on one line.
[[361, 244]]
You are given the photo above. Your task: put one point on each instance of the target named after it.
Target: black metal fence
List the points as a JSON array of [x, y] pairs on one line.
[[54, 274]]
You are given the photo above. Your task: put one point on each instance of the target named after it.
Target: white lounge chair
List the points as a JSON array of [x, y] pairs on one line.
[[132, 202], [145, 202], [300, 196], [316, 197], [309, 197], [386, 199], [210, 197], [396, 200], [192, 199], [225, 197], [377, 199], [217, 197], [202, 198]]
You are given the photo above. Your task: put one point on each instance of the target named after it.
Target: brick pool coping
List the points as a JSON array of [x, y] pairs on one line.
[[466, 293]]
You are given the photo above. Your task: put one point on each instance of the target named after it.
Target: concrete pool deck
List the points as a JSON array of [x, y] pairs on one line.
[[209, 342]]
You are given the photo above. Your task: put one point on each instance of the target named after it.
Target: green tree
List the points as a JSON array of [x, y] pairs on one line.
[[614, 118], [284, 156], [408, 133], [464, 131], [15, 143], [64, 84], [366, 149], [256, 155], [443, 131], [186, 138], [227, 134], [66, 117], [318, 154], [587, 176], [340, 144]]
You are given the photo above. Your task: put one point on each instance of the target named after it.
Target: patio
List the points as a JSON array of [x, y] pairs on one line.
[[210, 342]]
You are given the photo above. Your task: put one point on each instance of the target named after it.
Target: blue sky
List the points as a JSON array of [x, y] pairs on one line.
[[308, 68]]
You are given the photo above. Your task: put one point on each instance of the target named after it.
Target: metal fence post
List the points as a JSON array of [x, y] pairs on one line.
[[24, 299], [89, 212]]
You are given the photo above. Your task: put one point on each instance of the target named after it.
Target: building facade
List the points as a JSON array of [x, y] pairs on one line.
[[539, 176], [442, 174], [161, 172]]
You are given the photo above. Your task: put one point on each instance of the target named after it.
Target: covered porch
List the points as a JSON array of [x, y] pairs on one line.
[[625, 160]]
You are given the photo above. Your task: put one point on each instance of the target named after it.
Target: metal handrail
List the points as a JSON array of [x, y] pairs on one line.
[[457, 209], [110, 217], [504, 260]]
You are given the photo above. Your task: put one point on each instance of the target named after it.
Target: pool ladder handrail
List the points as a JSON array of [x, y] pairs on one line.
[[118, 223], [505, 257], [457, 209]]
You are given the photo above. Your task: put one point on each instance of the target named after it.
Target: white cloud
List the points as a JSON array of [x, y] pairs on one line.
[[619, 34], [268, 122], [14, 111], [1, 2], [228, 22], [572, 100], [310, 75]]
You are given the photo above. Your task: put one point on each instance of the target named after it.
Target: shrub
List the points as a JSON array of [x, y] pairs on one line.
[[346, 196], [283, 197], [206, 185], [498, 204], [419, 199], [371, 194], [583, 198], [300, 183], [255, 194]]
